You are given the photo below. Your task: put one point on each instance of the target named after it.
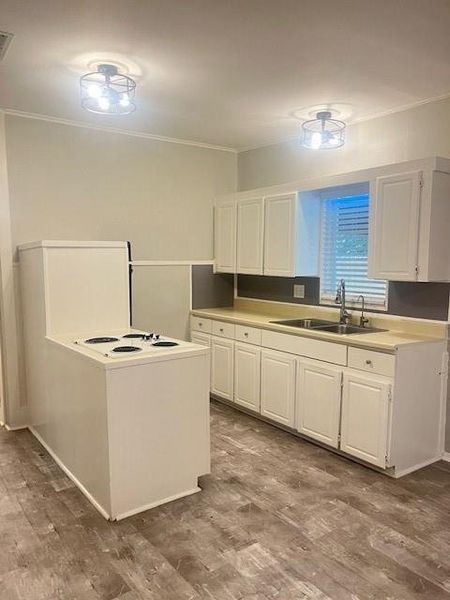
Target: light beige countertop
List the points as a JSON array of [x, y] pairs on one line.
[[401, 332]]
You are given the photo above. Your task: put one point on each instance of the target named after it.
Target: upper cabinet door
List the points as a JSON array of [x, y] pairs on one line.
[[225, 237], [250, 236], [394, 227], [279, 235]]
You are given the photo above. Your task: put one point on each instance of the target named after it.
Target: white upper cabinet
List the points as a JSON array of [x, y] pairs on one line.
[[409, 227], [225, 237], [250, 236], [291, 235], [279, 235], [394, 222], [277, 231]]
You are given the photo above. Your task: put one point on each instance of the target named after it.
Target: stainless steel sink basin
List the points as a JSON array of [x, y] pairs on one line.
[[305, 323], [329, 326], [348, 329]]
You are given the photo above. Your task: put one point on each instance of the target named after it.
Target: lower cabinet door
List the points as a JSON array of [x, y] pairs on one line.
[[278, 386], [247, 376], [222, 359], [365, 417], [318, 401]]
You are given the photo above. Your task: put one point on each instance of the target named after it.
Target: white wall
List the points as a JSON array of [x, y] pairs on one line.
[[415, 133], [68, 182], [12, 385], [78, 183]]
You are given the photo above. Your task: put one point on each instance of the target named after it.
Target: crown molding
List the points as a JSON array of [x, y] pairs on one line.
[[238, 150], [149, 136], [371, 117]]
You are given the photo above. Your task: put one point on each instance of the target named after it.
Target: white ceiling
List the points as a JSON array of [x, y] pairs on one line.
[[228, 72]]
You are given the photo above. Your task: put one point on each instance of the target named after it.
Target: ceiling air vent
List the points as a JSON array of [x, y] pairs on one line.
[[5, 40]]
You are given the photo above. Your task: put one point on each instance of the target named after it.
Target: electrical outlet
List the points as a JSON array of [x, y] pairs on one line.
[[299, 291]]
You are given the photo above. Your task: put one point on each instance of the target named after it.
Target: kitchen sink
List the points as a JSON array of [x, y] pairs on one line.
[[305, 323], [341, 329], [329, 326]]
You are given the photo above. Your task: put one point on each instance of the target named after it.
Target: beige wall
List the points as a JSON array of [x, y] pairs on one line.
[[77, 183], [69, 182], [416, 133]]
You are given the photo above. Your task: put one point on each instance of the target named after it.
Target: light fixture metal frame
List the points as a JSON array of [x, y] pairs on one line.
[[117, 88], [328, 128]]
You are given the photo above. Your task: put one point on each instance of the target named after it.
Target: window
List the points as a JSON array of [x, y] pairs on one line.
[[345, 230]]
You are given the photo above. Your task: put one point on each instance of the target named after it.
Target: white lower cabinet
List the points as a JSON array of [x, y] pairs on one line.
[[365, 417], [247, 376], [318, 401], [200, 338], [222, 367], [278, 386]]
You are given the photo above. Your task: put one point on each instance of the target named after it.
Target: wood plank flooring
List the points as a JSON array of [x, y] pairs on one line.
[[278, 518]]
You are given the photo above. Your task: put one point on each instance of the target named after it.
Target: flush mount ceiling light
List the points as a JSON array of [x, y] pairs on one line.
[[107, 92], [323, 132]]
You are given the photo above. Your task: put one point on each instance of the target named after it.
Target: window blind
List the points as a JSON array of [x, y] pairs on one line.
[[345, 232]]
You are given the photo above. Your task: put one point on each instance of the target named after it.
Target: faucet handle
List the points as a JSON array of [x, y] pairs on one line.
[[363, 321]]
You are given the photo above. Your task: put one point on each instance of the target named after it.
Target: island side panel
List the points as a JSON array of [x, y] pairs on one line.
[[158, 420], [73, 423], [417, 407]]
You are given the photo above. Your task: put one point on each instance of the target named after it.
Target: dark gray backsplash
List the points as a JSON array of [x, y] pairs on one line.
[[421, 300], [209, 289], [408, 299], [278, 289]]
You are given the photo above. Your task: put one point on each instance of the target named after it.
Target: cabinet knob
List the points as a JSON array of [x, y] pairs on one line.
[[200, 324], [368, 361], [246, 334], [221, 330]]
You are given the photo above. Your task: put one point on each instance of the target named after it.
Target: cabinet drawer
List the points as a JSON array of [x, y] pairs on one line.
[[303, 346], [200, 338], [223, 329], [199, 324], [248, 334], [372, 362]]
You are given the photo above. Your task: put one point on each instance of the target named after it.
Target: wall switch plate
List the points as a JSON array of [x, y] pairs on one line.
[[299, 291]]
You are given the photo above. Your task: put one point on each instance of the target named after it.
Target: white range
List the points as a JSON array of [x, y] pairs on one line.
[[126, 416]]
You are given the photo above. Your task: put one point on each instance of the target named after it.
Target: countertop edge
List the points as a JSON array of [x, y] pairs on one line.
[[392, 348]]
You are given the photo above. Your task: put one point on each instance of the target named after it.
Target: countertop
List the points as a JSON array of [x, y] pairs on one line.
[[387, 341]]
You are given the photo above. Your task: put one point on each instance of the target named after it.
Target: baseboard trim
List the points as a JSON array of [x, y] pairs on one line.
[[446, 456], [389, 472], [71, 476], [135, 511], [407, 471], [16, 428]]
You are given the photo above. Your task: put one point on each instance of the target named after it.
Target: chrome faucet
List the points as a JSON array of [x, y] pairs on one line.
[[362, 319], [344, 315]]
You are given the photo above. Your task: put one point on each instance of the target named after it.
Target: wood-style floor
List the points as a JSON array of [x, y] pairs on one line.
[[278, 518]]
